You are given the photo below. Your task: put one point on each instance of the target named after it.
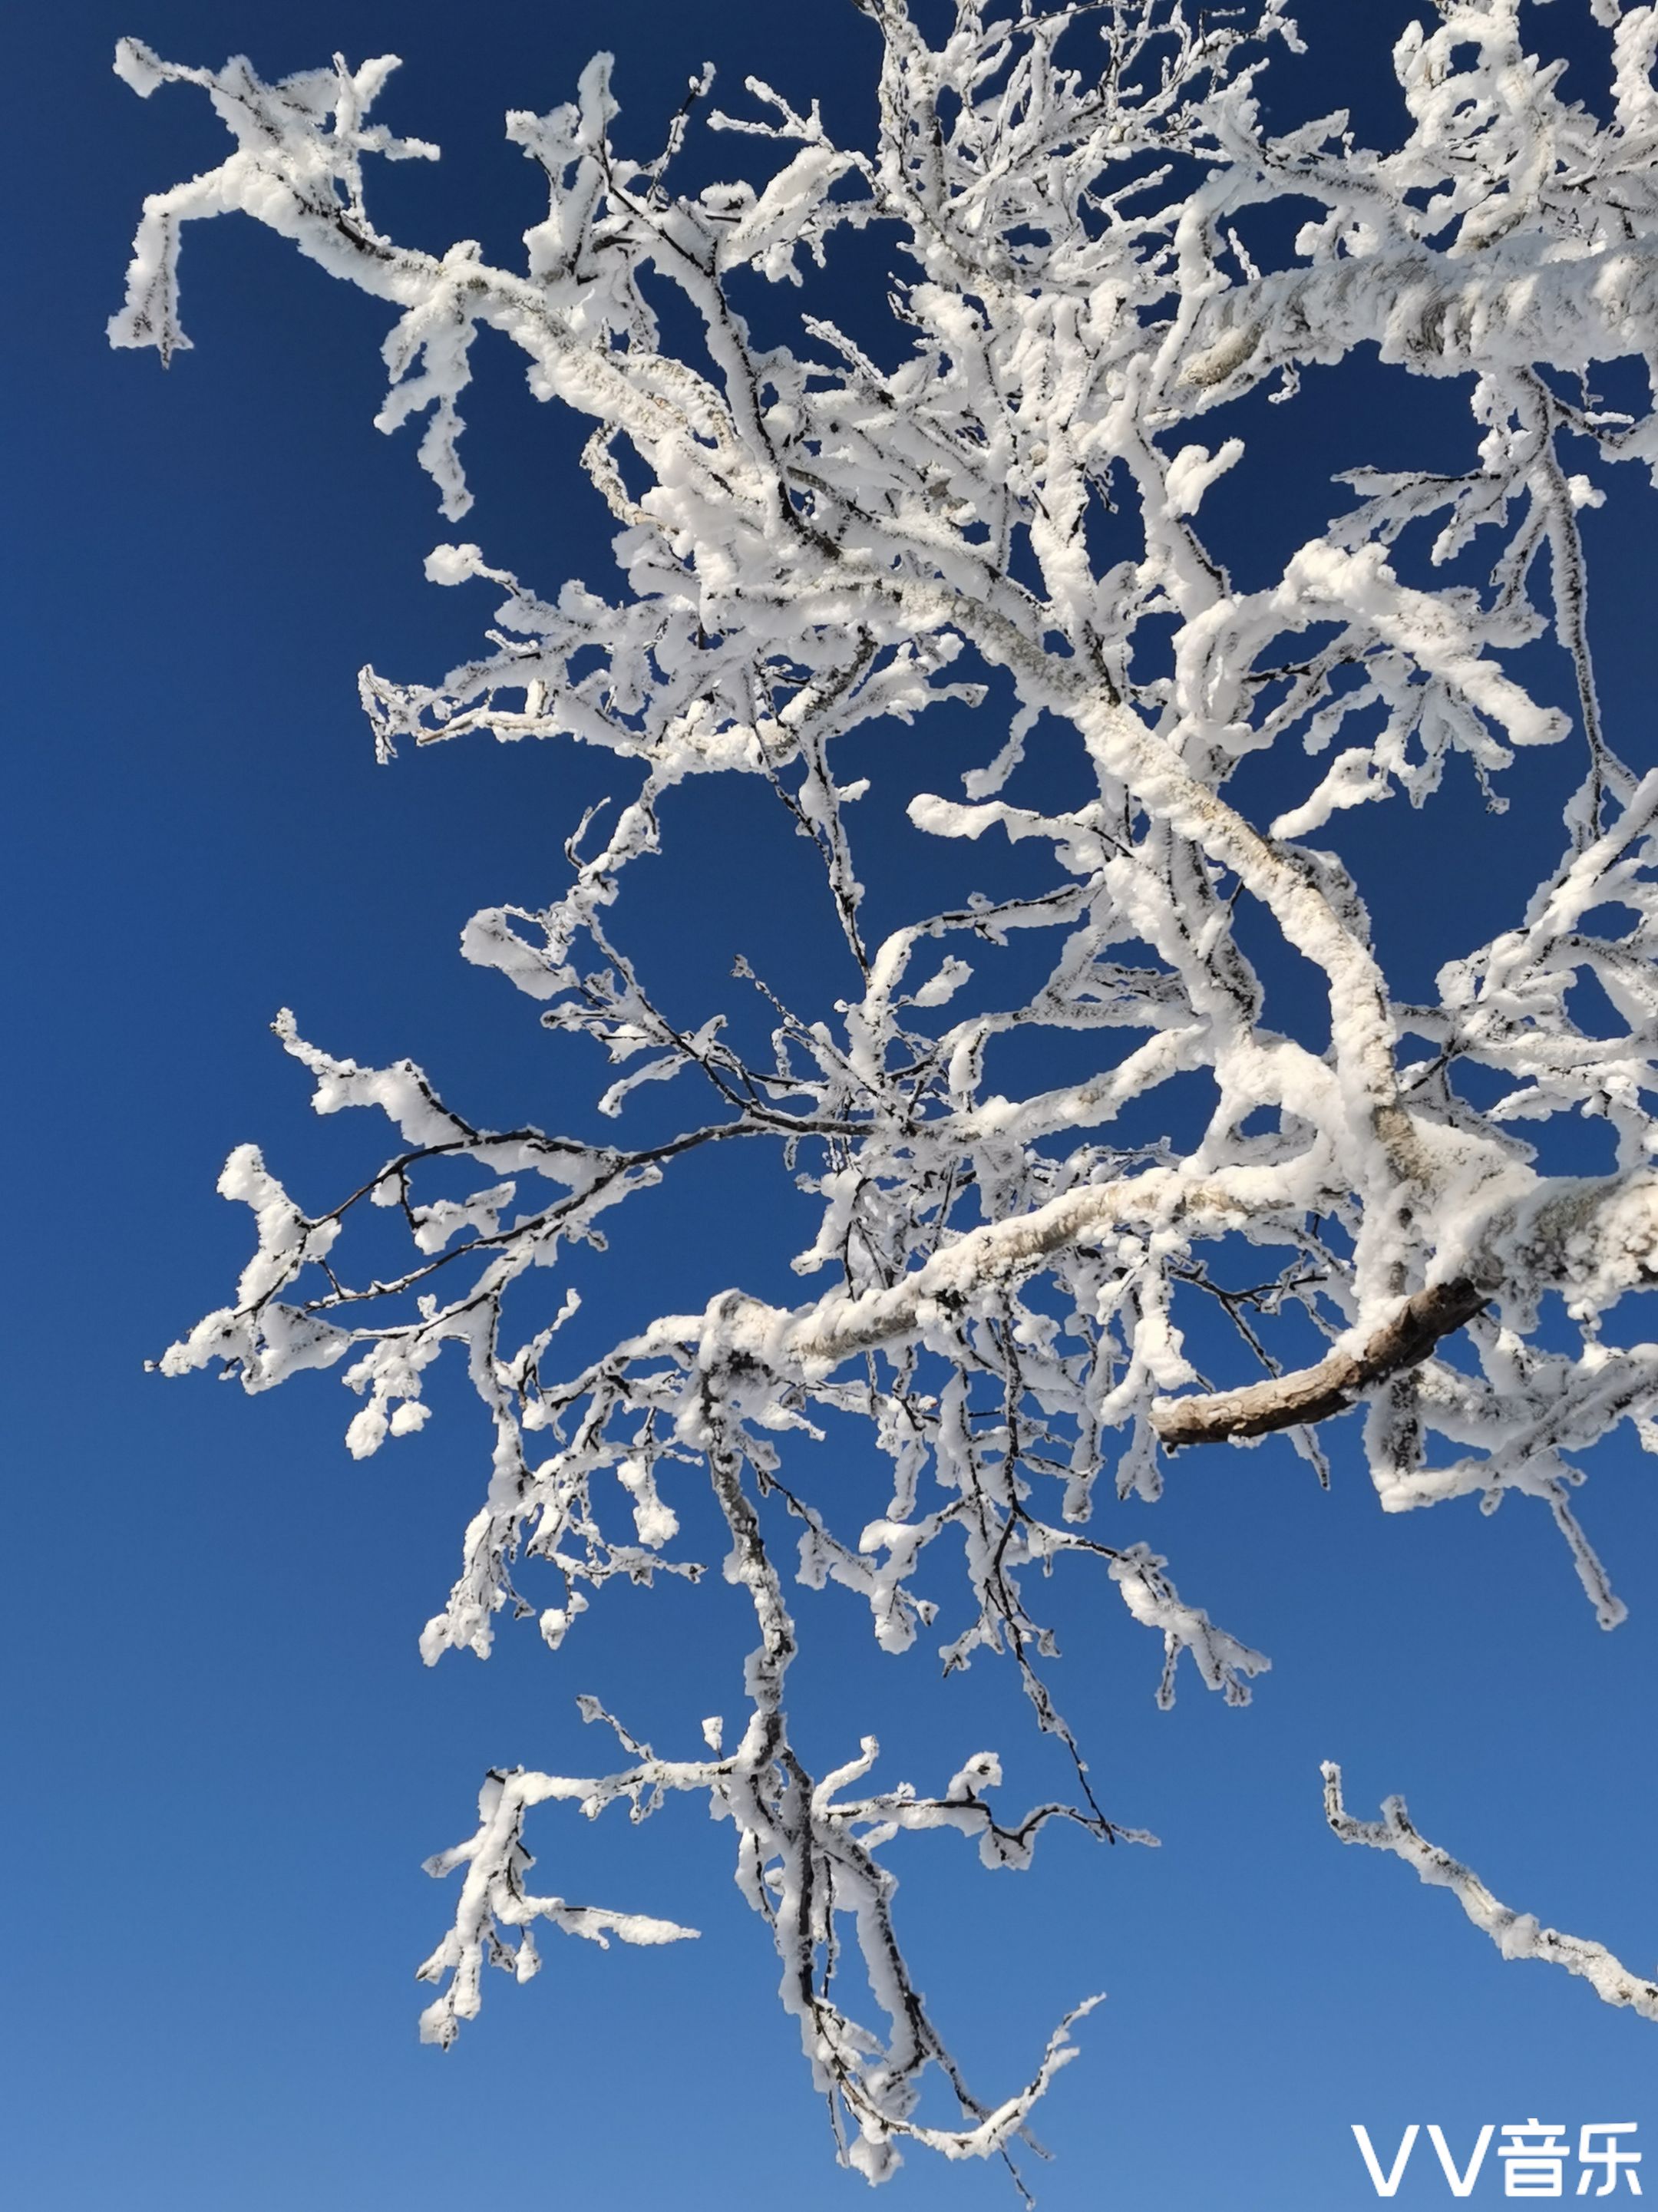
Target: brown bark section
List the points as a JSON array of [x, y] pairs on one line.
[[1313, 1394]]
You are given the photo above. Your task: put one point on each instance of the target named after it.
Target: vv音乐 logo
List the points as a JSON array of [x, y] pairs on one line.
[[1537, 2158]]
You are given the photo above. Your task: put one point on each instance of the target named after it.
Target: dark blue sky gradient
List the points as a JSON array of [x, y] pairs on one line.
[[225, 1760]]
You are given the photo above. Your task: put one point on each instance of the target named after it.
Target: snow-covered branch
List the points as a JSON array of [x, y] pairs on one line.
[[1516, 1934], [808, 542]]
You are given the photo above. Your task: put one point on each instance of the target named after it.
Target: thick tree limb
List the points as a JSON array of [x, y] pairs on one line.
[[1314, 1394]]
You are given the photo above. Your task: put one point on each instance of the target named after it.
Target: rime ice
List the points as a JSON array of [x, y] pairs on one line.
[[805, 543]]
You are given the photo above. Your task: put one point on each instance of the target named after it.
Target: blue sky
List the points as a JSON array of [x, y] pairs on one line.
[[224, 1760]]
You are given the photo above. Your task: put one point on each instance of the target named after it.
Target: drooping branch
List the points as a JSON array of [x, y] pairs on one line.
[[1516, 1934]]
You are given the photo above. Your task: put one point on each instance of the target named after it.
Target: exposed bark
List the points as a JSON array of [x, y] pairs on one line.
[[1314, 1394]]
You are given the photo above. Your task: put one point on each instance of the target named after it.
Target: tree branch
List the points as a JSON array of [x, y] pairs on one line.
[[1314, 1394], [1516, 1934]]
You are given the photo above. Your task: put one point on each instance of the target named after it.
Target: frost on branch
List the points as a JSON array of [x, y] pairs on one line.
[[807, 543], [1516, 1934]]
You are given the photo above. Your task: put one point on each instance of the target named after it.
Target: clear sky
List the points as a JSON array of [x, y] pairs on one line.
[[224, 1759]]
